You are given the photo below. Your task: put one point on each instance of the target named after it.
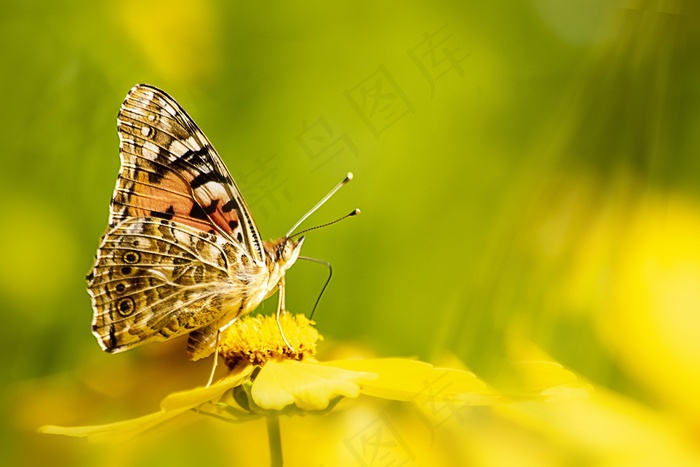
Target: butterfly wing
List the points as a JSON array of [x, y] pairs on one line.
[[156, 279], [176, 208], [171, 171]]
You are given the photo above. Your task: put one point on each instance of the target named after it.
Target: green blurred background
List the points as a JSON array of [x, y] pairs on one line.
[[529, 184]]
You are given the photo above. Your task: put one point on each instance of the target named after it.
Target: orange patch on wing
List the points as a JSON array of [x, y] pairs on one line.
[[171, 196], [213, 197], [228, 221]]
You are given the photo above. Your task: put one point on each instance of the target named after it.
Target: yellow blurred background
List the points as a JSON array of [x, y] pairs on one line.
[[529, 180]]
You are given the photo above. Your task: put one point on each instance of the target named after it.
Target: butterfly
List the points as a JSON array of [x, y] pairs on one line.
[[182, 254]]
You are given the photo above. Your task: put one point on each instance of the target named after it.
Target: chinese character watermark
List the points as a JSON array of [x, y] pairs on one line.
[[379, 101], [379, 445], [265, 187], [435, 56], [438, 408], [322, 143]]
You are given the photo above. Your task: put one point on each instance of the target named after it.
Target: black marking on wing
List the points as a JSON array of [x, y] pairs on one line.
[[198, 212], [229, 206], [252, 234], [206, 177], [212, 207], [196, 158], [112, 338], [158, 170], [168, 214]]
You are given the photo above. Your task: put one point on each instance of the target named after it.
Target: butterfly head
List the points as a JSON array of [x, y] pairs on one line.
[[284, 251]]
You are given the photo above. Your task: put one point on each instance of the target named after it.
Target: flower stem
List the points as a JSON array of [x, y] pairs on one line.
[[275, 440]]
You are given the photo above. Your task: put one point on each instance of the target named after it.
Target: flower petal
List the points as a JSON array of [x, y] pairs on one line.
[[404, 380], [310, 386], [194, 397], [112, 432], [173, 405]]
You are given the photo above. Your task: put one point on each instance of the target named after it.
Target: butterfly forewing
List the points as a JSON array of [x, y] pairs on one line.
[[171, 171]]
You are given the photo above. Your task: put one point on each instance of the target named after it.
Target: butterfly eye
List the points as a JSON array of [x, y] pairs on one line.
[[287, 250]]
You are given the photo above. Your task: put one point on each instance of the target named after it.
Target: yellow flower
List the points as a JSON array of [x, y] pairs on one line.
[[268, 378]]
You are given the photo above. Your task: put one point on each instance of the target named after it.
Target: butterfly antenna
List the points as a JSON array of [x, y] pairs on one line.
[[330, 274], [347, 178], [353, 213]]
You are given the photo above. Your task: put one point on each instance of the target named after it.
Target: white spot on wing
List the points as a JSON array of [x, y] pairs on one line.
[[169, 108], [149, 150], [213, 191], [177, 148]]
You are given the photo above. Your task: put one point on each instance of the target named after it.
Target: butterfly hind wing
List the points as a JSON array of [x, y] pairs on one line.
[[155, 279]]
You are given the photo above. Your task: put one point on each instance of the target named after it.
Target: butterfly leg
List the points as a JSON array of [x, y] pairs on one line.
[[280, 310], [216, 361], [216, 351]]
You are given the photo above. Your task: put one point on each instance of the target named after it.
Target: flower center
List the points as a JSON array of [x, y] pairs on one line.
[[257, 339]]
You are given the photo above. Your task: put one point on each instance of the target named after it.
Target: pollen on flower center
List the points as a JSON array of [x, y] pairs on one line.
[[257, 339]]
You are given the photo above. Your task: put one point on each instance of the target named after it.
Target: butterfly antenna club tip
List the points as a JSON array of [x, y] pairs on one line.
[[347, 178]]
